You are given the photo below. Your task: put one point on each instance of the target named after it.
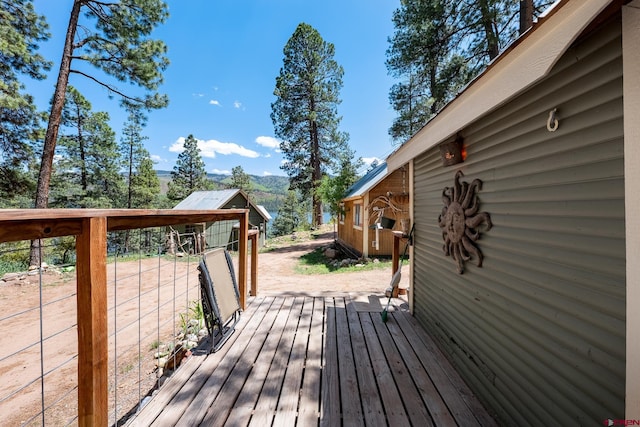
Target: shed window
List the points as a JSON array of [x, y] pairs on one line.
[[341, 214], [357, 215]]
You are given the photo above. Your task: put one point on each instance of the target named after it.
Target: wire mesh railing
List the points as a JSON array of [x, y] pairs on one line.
[[38, 337], [153, 320]]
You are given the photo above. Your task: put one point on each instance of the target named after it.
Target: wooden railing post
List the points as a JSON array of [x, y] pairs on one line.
[[253, 235], [395, 254], [242, 258], [395, 258], [93, 350]]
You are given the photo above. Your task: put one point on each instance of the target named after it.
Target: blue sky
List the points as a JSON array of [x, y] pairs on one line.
[[225, 56]]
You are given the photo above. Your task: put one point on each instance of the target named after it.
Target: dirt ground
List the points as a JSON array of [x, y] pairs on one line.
[[276, 274], [134, 286]]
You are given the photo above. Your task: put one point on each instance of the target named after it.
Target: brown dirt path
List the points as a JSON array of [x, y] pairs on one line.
[[276, 274]]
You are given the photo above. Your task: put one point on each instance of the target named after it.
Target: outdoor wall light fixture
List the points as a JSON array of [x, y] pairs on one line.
[[552, 121], [452, 152]]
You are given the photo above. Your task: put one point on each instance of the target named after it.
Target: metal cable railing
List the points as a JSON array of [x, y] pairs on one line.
[[151, 305]]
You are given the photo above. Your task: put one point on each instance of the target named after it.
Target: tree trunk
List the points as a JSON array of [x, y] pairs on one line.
[[317, 176], [526, 15], [490, 30], [48, 151]]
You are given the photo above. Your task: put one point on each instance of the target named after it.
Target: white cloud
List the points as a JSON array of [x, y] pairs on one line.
[[237, 104], [212, 147], [198, 95], [215, 102], [221, 172], [268, 141], [368, 160], [266, 173], [157, 159], [267, 155]]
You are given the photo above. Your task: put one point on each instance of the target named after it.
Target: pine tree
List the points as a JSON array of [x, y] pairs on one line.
[[20, 124], [333, 188], [114, 39], [145, 184], [188, 174], [305, 113], [132, 149], [88, 172], [288, 218], [240, 180], [438, 47]]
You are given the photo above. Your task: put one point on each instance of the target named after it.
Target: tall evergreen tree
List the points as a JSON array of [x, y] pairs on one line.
[[333, 189], [88, 172], [21, 30], [132, 149], [289, 216], [145, 184], [305, 113], [188, 174], [114, 39], [437, 48], [240, 179]]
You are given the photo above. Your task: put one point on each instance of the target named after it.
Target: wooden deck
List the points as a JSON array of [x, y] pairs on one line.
[[311, 361]]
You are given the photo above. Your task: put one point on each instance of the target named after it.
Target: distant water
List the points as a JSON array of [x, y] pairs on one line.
[[326, 217]]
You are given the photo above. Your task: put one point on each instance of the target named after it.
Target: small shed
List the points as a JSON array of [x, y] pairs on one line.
[[373, 206], [525, 252], [223, 233]]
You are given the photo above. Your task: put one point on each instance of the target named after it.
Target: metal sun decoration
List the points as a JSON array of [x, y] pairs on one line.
[[459, 221]]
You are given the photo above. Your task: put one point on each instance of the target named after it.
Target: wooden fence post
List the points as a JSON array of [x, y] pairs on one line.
[[242, 258], [93, 337], [253, 235]]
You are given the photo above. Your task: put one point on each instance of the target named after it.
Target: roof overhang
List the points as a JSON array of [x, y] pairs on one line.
[[526, 62]]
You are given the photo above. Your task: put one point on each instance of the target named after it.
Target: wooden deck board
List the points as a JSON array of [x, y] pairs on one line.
[[310, 393], [217, 375], [268, 400], [373, 411], [258, 351], [463, 404], [310, 361], [290, 395], [330, 397], [389, 394], [349, 391]]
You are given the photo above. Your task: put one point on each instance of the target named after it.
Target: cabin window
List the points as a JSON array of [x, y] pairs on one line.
[[341, 213], [357, 215]]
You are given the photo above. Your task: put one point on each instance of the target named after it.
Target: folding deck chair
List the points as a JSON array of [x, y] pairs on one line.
[[220, 296]]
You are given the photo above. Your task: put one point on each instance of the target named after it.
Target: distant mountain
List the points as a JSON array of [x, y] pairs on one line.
[[268, 191]]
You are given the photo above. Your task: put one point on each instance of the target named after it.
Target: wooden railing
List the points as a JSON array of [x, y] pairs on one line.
[[90, 226]]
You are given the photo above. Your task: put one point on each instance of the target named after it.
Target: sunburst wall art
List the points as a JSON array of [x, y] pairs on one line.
[[460, 220]]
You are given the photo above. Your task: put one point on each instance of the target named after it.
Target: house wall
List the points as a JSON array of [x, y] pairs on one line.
[[363, 240], [631, 65], [539, 330], [397, 182], [222, 233], [349, 235], [255, 219]]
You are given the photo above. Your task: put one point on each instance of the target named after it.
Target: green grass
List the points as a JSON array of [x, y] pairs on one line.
[[12, 267], [316, 263]]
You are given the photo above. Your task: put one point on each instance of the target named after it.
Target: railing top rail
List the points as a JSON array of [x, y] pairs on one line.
[[28, 224]]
